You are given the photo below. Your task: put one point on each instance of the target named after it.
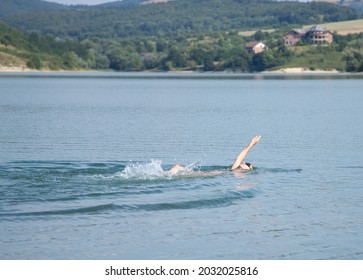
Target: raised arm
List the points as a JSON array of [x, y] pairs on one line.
[[242, 155]]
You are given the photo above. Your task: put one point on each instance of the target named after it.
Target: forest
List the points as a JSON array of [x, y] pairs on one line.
[[179, 35], [217, 51], [175, 18]]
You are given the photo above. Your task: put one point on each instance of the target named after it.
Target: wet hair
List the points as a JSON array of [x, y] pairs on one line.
[[249, 165]]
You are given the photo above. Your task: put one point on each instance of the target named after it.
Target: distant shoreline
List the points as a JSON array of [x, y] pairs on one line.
[[292, 70], [301, 70], [14, 69]]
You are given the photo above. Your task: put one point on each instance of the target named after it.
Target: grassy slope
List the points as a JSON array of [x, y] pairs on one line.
[[10, 60], [11, 57], [310, 58], [345, 27], [342, 28]]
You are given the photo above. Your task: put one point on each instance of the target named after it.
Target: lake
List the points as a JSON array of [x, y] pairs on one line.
[[83, 159]]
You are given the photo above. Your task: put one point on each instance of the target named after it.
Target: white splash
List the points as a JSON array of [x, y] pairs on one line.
[[153, 170], [150, 170]]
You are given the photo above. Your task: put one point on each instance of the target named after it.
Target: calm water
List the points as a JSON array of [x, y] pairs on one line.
[[82, 160]]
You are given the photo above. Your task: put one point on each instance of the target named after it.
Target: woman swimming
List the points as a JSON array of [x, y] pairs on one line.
[[238, 164]]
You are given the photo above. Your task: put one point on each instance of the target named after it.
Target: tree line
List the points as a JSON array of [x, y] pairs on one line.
[[212, 51], [175, 18]]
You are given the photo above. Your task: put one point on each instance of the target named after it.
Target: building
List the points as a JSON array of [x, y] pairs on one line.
[[293, 37], [315, 34], [319, 35], [255, 47]]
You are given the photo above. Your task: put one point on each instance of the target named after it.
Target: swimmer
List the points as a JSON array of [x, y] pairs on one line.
[[176, 168], [238, 164]]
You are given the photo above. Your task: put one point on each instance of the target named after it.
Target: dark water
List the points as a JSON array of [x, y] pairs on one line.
[[82, 160]]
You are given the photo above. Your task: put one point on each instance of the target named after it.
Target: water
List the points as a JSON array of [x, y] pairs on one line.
[[83, 160]]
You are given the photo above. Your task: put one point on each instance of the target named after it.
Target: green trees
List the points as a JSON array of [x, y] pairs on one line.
[[11, 7], [175, 18], [354, 60], [124, 59], [176, 58], [212, 51], [34, 62], [353, 56]]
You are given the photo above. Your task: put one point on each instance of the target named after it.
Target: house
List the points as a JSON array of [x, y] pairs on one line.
[[314, 34], [293, 37], [255, 47], [318, 35]]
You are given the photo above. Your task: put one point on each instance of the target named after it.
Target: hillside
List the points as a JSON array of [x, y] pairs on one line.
[[19, 50], [219, 51], [120, 4], [11, 7], [345, 27], [355, 4], [176, 18], [341, 28]]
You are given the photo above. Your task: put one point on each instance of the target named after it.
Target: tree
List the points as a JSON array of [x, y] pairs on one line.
[[124, 60], [208, 63], [354, 60], [70, 60], [177, 58], [34, 62]]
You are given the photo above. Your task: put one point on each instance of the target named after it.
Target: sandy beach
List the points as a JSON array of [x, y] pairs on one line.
[[301, 70], [296, 70], [15, 69]]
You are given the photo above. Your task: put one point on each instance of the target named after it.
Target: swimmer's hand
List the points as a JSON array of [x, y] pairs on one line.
[[241, 156], [255, 140]]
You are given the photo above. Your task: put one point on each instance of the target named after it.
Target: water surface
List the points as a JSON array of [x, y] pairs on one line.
[[83, 160]]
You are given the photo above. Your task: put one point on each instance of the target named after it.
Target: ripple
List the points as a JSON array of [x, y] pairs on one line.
[[83, 210], [53, 188], [213, 202]]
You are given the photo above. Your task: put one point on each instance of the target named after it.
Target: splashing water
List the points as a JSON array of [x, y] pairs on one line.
[[150, 170], [153, 170]]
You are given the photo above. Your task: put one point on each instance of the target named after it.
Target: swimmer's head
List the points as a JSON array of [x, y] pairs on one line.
[[250, 166], [246, 166]]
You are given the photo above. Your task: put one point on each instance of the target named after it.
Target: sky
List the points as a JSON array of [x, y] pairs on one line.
[[94, 2], [75, 2]]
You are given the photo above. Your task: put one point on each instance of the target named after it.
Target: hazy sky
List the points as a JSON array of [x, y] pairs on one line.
[[73, 2], [94, 2]]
